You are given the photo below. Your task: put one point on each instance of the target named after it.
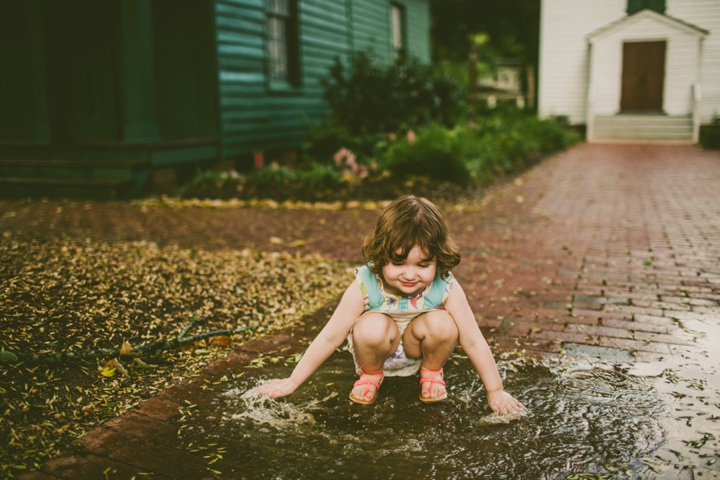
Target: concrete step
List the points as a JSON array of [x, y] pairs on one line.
[[644, 127]]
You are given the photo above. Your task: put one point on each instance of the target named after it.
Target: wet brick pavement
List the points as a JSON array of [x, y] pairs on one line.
[[600, 251]]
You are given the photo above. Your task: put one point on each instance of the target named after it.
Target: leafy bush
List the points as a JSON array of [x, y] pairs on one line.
[[272, 176], [318, 177], [479, 150], [324, 141], [436, 152], [366, 97], [710, 135]]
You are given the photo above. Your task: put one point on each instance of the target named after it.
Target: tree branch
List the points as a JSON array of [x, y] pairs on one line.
[[9, 357]]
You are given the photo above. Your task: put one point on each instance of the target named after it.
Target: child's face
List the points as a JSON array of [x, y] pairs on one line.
[[412, 275]]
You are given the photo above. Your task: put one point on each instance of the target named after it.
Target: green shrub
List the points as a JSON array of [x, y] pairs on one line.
[[324, 141], [319, 176], [272, 176], [710, 135], [435, 152], [477, 151], [366, 97]]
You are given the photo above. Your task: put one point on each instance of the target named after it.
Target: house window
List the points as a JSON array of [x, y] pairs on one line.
[[397, 25], [634, 6], [282, 42]]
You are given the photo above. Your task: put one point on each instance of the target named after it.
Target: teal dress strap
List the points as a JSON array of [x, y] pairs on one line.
[[439, 291], [369, 286]]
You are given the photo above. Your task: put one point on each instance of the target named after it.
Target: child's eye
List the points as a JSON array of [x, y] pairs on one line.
[[423, 265], [397, 264]]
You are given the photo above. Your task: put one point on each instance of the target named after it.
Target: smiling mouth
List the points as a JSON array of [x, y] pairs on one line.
[[408, 284]]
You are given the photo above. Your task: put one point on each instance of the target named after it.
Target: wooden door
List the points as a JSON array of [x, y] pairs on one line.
[[643, 77]]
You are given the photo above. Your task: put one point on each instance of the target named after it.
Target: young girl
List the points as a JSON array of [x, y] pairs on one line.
[[404, 312]]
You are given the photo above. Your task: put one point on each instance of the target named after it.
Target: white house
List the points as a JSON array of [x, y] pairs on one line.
[[631, 70]]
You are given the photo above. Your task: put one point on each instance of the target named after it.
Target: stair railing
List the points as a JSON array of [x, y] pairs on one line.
[[590, 119], [696, 98]]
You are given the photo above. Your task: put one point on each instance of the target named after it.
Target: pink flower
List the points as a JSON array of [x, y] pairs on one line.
[[259, 158], [350, 159], [411, 136], [363, 171], [342, 153], [391, 135]]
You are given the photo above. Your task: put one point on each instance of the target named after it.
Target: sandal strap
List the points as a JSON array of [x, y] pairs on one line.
[[433, 380], [425, 370], [367, 381]]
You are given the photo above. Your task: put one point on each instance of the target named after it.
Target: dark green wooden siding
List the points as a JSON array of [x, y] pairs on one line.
[[418, 28], [254, 116]]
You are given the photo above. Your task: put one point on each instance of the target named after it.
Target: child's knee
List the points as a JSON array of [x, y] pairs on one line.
[[439, 324], [374, 329]]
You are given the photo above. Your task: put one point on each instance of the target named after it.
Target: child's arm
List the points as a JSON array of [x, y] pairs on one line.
[[331, 337], [478, 351]]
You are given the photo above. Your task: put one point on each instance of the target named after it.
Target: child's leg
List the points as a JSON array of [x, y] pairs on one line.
[[375, 337], [432, 336]]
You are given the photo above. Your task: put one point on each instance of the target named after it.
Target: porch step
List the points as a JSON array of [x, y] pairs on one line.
[[73, 179], [643, 127]]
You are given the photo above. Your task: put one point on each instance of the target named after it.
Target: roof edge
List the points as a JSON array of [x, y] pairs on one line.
[[628, 20]]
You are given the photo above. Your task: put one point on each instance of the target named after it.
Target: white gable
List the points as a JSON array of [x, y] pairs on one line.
[[572, 32], [681, 60], [646, 16]]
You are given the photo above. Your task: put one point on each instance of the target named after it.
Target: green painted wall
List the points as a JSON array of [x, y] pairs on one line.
[[255, 116]]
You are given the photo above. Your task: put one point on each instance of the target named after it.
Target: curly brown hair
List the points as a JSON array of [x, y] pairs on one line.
[[406, 222]]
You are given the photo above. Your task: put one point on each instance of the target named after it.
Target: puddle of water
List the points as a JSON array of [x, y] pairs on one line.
[[689, 384], [584, 421]]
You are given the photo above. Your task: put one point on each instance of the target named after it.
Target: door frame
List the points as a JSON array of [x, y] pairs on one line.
[[624, 90]]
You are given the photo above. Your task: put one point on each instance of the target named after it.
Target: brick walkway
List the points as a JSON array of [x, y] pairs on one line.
[[610, 246], [603, 250]]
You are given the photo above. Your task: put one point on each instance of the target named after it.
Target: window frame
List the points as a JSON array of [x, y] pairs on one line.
[[401, 51], [292, 79]]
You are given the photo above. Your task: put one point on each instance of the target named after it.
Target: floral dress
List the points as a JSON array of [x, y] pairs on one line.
[[402, 309]]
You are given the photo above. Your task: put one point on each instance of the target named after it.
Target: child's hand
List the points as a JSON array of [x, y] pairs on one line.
[[277, 388], [502, 402]]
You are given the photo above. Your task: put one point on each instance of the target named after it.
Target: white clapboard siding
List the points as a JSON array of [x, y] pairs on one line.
[[681, 64], [563, 78], [704, 14], [565, 71]]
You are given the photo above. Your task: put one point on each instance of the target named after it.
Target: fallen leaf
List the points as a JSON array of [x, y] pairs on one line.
[[220, 341], [126, 348], [276, 241]]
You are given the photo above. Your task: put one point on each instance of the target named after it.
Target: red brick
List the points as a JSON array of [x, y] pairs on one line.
[[564, 337], [604, 331], [634, 326], [159, 408], [634, 345]]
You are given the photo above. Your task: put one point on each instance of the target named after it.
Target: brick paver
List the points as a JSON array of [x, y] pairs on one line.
[[609, 247], [602, 245]]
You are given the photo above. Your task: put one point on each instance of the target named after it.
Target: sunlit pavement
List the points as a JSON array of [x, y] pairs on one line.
[[607, 254]]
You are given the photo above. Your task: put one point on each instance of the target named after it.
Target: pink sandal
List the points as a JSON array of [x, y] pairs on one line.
[[432, 380], [367, 382]]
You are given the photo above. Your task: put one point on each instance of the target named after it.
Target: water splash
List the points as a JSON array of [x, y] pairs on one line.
[[266, 411]]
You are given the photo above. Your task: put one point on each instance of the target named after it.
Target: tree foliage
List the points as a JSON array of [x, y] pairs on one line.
[[367, 97], [512, 25]]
